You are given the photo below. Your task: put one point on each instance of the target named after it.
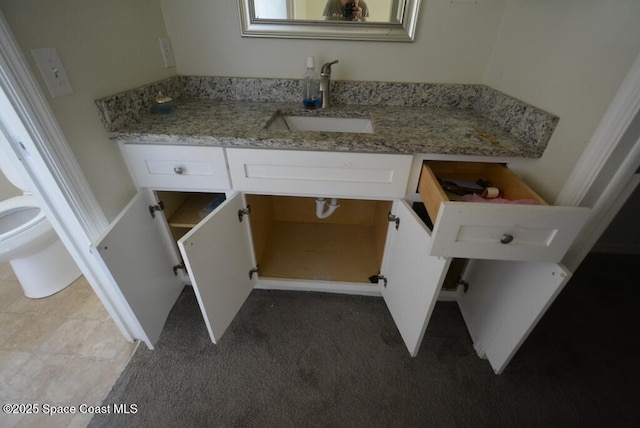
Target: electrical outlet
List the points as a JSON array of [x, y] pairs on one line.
[[167, 53], [53, 72]]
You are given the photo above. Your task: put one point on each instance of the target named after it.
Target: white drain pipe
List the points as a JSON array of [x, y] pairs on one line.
[[324, 211]]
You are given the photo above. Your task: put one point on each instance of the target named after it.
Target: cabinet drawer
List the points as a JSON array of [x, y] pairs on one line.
[[177, 167], [319, 173], [484, 230]]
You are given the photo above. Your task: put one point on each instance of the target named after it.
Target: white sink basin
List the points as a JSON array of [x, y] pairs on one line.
[[322, 124]]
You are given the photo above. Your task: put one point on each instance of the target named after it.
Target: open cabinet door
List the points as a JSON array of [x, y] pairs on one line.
[[503, 303], [413, 278], [218, 256], [135, 252]]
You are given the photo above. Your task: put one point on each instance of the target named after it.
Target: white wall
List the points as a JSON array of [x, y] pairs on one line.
[[567, 57], [106, 47], [453, 45]]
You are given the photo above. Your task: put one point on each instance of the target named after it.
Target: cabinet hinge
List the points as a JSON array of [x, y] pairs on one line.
[[394, 218], [154, 208], [252, 271], [242, 212], [383, 279], [464, 284], [179, 267]]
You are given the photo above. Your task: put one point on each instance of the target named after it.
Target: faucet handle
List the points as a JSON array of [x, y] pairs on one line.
[[326, 68]]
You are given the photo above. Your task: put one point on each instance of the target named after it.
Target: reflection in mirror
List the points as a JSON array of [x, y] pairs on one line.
[[385, 20], [315, 10]]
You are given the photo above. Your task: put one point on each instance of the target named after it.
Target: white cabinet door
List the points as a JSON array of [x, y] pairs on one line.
[[218, 256], [503, 303], [134, 251], [413, 278]]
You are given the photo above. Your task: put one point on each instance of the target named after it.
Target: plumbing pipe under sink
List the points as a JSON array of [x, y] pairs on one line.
[[323, 210]]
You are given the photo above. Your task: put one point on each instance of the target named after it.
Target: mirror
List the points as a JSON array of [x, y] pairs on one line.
[[379, 20]]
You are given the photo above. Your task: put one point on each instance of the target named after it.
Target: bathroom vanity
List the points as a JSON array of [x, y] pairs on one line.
[[232, 208]]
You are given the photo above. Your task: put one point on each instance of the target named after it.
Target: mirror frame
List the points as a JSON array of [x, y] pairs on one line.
[[329, 30]]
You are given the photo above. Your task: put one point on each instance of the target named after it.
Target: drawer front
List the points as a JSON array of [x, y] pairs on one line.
[[177, 167], [492, 230], [506, 232], [319, 173]]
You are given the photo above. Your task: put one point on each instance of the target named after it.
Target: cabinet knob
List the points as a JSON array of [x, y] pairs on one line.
[[178, 170], [506, 238]]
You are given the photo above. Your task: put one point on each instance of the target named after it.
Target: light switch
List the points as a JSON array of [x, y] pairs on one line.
[[53, 72], [167, 53]]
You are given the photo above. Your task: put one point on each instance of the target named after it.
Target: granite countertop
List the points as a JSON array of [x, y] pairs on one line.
[[397, 129]]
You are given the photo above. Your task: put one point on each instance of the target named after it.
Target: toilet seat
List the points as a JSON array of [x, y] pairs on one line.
[[21, 239], [14, 207]]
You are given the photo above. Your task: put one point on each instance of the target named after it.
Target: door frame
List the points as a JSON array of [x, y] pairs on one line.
[[609, 168]]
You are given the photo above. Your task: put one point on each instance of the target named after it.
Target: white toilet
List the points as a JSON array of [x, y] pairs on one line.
[[28, 242]]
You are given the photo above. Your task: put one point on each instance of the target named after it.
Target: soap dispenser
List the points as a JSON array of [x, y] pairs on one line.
[[311, 86]]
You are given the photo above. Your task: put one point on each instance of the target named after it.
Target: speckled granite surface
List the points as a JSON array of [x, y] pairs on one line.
[[407, 118], [119, 110]]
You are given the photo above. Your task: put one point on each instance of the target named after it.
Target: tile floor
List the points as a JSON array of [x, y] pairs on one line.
[[61, 350]]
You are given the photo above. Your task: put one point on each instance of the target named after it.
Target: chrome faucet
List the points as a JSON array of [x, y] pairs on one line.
[[325, 83]]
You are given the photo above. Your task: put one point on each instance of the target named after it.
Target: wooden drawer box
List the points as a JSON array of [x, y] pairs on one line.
[[488, 230], [177, 167]]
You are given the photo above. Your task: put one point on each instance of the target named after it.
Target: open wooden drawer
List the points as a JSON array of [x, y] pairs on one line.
[[490, 230]]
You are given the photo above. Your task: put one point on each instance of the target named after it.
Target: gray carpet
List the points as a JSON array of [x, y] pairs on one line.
[[312, 359]]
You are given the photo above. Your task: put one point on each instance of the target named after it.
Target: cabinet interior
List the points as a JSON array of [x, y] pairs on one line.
[[184, 210], [290, 241]]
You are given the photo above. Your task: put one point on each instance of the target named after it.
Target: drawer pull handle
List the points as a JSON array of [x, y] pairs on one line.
[[506, 238], [178, 170]]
